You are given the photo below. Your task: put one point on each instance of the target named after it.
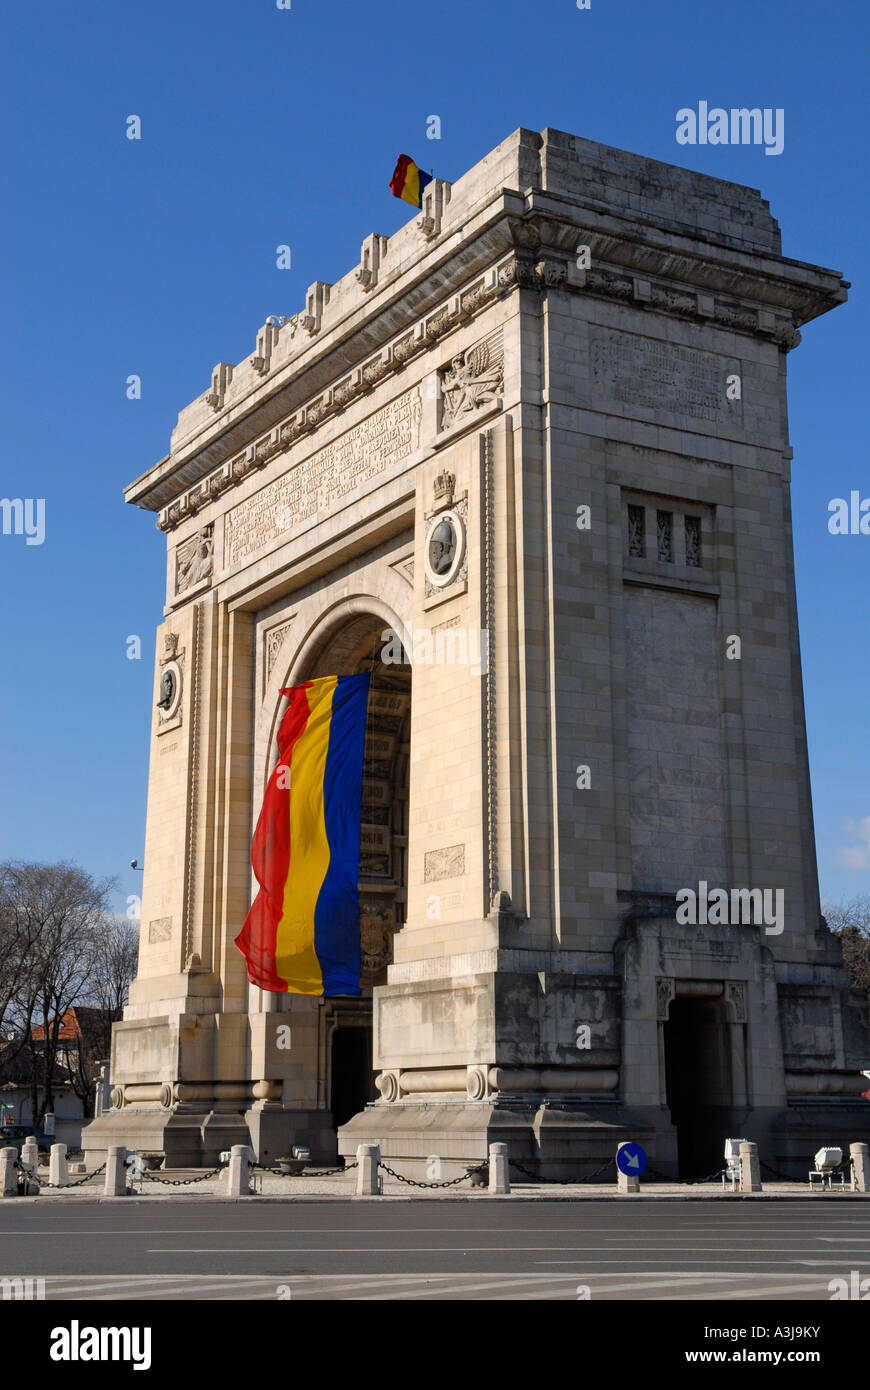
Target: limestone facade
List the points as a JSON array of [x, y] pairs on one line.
[[572, 365]]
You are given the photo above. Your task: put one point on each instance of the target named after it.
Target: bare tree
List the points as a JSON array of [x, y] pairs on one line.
[[116, 949], [115, 960], [57, 909], [17, 976], [850, 921]]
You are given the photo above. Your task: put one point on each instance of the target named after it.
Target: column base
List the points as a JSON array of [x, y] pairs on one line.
[[274, 1131], [568, 1142], [190, 1138]]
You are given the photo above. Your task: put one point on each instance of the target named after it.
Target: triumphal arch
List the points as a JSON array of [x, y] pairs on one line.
[[527, 464]]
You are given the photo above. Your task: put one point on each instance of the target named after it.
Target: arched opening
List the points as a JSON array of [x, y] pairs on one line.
[[359, 645], [698, 1081]]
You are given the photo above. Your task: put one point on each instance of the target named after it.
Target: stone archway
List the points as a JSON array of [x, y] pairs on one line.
[[357, 640], [360, 645]]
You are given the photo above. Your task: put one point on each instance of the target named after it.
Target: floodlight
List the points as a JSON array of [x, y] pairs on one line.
[[826, 1160]]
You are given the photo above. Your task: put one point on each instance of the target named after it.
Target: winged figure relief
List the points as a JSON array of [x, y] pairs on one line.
[[474, 378]]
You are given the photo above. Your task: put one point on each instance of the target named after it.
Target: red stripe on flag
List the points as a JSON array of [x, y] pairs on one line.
[[400, 175], [270, 852]]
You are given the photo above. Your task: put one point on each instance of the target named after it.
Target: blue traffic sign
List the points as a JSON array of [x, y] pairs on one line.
[[631, 1160]]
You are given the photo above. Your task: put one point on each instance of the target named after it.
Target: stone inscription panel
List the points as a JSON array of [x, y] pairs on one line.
[[314, 486], [664, 379]]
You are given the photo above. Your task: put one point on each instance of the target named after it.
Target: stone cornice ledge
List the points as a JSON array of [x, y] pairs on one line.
[[351, 343], [702, 262], [536, 260]]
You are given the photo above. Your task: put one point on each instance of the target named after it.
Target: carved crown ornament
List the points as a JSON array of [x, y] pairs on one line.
[[444, 487], [543, 258]]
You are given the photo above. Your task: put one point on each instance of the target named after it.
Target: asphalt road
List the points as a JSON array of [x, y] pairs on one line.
[[428, 1250]]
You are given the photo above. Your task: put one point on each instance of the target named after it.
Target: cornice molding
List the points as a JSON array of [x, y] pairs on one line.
[[540, 258]]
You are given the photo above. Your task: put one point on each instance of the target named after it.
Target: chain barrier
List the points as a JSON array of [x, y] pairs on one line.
[[592, 1177], [481, 1169], [842, 1170], [563, 1182], [318, 1173], [80, 1181], [775, 1172], [696, 1182], [684, 1182], [182, 1182], [413, 1182], [33, 1176]]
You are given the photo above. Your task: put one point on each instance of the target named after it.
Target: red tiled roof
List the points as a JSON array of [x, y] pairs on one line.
[[70, 1024]]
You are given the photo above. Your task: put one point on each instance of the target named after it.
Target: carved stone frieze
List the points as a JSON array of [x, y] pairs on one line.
[[525, 268]]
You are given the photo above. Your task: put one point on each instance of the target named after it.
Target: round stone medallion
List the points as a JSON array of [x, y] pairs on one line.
[[445, 548]]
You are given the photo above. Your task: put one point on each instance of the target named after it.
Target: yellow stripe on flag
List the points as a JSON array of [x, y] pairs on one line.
[[295, 957], [411, 193]]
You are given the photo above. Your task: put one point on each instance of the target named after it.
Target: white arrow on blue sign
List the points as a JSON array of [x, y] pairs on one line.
[[631, 1160]]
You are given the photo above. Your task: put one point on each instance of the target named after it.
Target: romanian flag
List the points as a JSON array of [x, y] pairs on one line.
[[408, 181], [302, 934]]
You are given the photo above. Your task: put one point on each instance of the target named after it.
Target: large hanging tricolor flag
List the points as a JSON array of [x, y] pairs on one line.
[[302, 933], [408, 181]]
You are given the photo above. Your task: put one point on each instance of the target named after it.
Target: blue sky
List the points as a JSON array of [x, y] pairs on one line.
[[263, 126]]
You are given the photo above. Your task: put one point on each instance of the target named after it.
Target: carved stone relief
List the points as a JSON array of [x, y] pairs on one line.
[[160, 929], [475, 378], [444, 863], [664, 994], [274, 641], [735, 993], [194, 559]]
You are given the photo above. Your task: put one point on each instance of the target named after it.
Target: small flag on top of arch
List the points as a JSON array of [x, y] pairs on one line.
[[408, 181]]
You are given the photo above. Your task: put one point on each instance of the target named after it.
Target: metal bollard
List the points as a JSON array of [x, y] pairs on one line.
[[860, 1156], [57, 1174], [750, 1173], [8, 1173], [368, 1182], [116, 1172], [237, 1171], [626, 1182], [499, 1175]]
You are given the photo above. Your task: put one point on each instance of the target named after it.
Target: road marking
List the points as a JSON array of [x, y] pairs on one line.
[[403, 1287], [494, 1282], [452, 1250], [764, 1291]]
